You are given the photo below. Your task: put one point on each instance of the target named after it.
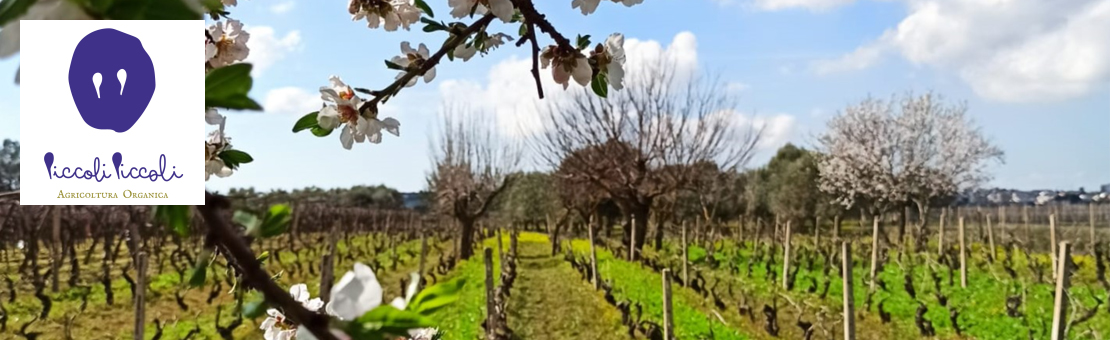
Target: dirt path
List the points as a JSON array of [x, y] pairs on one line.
[[550, 301]]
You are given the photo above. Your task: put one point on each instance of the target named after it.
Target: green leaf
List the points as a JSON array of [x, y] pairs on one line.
[[307, 122], [264, 256], [387, 319], [12, 9], [174, 217], [583, 41], [600, 85], [247, 220], [151, 10], [424, 7], [254, 309], [227, 87], [232, 158], [320, 132], [277, 220], [199, 273], [523, 29], [393, 66], [435, 297]]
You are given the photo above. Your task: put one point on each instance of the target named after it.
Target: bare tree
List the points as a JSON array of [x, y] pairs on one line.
[[638, 143], [884, 159], [472, 165]]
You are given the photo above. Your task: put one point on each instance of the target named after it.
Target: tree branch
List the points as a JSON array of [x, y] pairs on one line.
[[432, 61], [252, 271]]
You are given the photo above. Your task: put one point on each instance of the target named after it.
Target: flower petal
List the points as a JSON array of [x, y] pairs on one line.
[[430, 75], [503, 9], [582, 71], [346, 138], [392, 125]]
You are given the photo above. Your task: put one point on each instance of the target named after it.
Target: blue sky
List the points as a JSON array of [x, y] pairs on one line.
[[1035, 76]]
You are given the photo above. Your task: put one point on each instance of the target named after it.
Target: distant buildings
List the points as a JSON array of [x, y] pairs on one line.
[[1105, 188], [414, 201]]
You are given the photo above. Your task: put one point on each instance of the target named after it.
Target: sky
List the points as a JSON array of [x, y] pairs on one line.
[[1035, 75]]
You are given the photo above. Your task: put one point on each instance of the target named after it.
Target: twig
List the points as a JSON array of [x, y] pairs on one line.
[[535, 58], [534, 17], [253, 274], [428, 64]]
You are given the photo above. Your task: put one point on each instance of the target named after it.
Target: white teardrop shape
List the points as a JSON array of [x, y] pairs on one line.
[[97, 79], [122, 76]]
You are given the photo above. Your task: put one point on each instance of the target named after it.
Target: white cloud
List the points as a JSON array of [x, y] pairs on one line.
[[511, 90], [282, 7], [1006, 50], [812, 5], [267, 48], [736, 87], [778, 5], [291, 101], [778, 129]]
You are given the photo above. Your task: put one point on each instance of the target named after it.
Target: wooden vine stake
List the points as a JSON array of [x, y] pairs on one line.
[[1060, 307], [685, 256], [1052, 240], [1091, 220], [940, 239], [491, 304], [990, 239], [849, 298], [632, 240], [963, 255], [593, 256], [874, 252], [786, 258], [140, 295], [668, 315]]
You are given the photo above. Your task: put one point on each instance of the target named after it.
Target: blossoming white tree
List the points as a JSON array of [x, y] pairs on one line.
[[228, 82], [884, 154]]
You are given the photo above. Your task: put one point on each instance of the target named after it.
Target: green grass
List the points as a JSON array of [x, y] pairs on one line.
[[631, 282]]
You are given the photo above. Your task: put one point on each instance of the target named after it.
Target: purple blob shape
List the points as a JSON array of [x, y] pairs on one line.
[[117, 159], [106, 51], [49, 159]]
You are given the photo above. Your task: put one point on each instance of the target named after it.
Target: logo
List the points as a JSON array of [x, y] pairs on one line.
[[116, 137], [103, 62]]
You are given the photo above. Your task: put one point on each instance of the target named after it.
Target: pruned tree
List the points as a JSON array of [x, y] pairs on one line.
[[472, 165], [887, 154], [630, 145]]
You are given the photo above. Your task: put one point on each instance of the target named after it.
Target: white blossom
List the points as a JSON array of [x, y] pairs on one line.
[[392, 13], [277, 327], [342, 110], [356, 293], [586, 6], [503, 9], [230, 41], [216, 144], [423, 334], [213, 117], [413, 59], [611, 58], [465, 52], [566, 65], [374, 129], [230, 2], [40, 10]]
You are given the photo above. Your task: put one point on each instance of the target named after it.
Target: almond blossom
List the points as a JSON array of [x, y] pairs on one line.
[[216, 144], [393, 13], [589, 6], [230, 42], [610, 59], [343, 110], [213, 117], [566, 64], [277, 327], [412, 60], [503, 9]]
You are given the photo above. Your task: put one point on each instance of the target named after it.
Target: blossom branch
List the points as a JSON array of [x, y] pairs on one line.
[[534, 17], [531, 35], [253, 274], [428, 64]]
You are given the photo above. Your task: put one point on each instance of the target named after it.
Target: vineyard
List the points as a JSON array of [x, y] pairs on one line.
[[94, 272]]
